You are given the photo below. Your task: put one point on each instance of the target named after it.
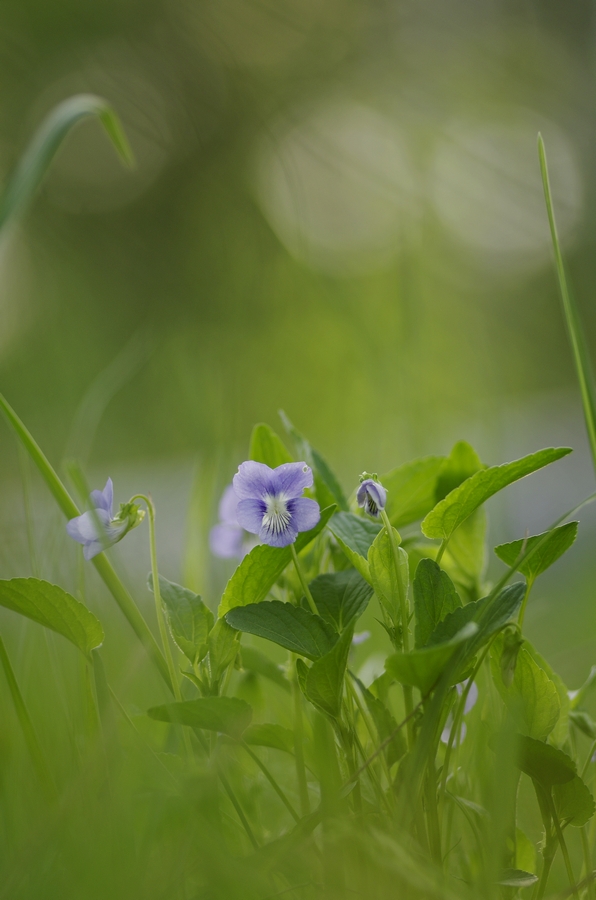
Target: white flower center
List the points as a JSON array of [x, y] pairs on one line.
[[277, 516]]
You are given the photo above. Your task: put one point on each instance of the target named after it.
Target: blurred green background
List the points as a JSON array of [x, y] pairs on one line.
[[336, 210]]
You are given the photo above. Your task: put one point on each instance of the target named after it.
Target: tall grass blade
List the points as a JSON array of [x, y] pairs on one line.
[[581, 358], [38, 156]]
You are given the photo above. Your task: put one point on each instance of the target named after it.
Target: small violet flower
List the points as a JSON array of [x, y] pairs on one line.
[[98, 529], [469, 705], [371, 495], [228, 539], [270, 501]]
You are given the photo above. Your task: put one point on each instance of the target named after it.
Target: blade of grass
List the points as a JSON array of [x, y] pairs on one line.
[[38, 156], [581, 358]]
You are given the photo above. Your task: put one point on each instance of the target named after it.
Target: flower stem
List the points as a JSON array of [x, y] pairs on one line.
[[563, 847], [442, 549], [159, 611], [303, 581], [522, 612], [298, 743]]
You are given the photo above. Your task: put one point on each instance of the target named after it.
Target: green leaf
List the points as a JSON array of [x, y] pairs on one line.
[[455, 508], [189, 620], [290, 626], [38, 156], [490, 614], [462, 463], [355, 535], [324, 680], [411, 489], [582, 720], [423, 668], [302, 674], [261, 568], [559, 540], [327, 487], [466, 553], [340, 596], [517, 878], [545, 764], [266, 447], [255, 661], [434, 597], [273, 736], [227, 715], [223, 646], [574, 802], [525, 852], [52, 607], [383, 575], [532, 698], [560, 733]]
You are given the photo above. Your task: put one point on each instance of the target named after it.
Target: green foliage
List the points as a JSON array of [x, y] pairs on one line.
[[584, 722], [227, 715], [490, 614], [543, 763], [323, 684], [54, 608], [455, 508], [550, 546], [255, 661], [355, 536], [531, 698], [189, 620], [434, 597], [290, 626], [574, 802], [385, 725], [262, 567], [273, 736], [383, 575], [223, 647], [411, 489], [423, 668], [461, 464], [266, 447], [340, 597]]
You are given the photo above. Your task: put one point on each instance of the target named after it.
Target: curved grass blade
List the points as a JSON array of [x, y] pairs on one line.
[[38, 156], [581, 358]]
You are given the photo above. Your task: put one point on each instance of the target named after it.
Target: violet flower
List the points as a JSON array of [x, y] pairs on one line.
[[98, 529], [469, 704], [371, 495], [227, 539], [270, 501]]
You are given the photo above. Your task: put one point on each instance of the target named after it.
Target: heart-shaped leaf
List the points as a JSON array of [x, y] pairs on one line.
[[355, 536], [531, 698], [290, 626], [545, 764], [190, 621], [574, 802], [434, 598], [340, 597]]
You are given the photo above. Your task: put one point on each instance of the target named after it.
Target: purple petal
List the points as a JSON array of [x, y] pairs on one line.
[[104, 499], [253, 480], [250, 515], [279, 538], [226, 541], [85, 528], [92, 549], [292, 478], [228, 506], [374, 490], [305, 513]]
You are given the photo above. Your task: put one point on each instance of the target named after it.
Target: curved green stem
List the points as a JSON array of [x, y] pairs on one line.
[[522, 612], [563, 846], [274, 784], [298, 742], [303, 581], [442, 549]]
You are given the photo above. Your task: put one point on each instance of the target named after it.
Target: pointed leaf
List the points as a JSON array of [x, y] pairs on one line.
[[423, 668], [340, 596], [559, 540], [516, 878], [574, 802], [227, 715], [325, 678], [54, 608], [290, 626], [545, 764], [490, 614], [455, 508], [411, 489], [189, 620], [261, 568], [355, 535], [434, 597], [461, 464], [384, 577], [273, 736], [266, 447]]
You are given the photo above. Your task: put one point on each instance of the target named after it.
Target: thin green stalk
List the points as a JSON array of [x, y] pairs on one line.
[[543, 880], [163, 631], [442, 549], [522, 612], [405, 620], [563, 846], [27, 727], [101, 562], [274, 784], [587, 862], [576, 335], [369, 727], [298, 743], [245, 823], [303, 581]]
